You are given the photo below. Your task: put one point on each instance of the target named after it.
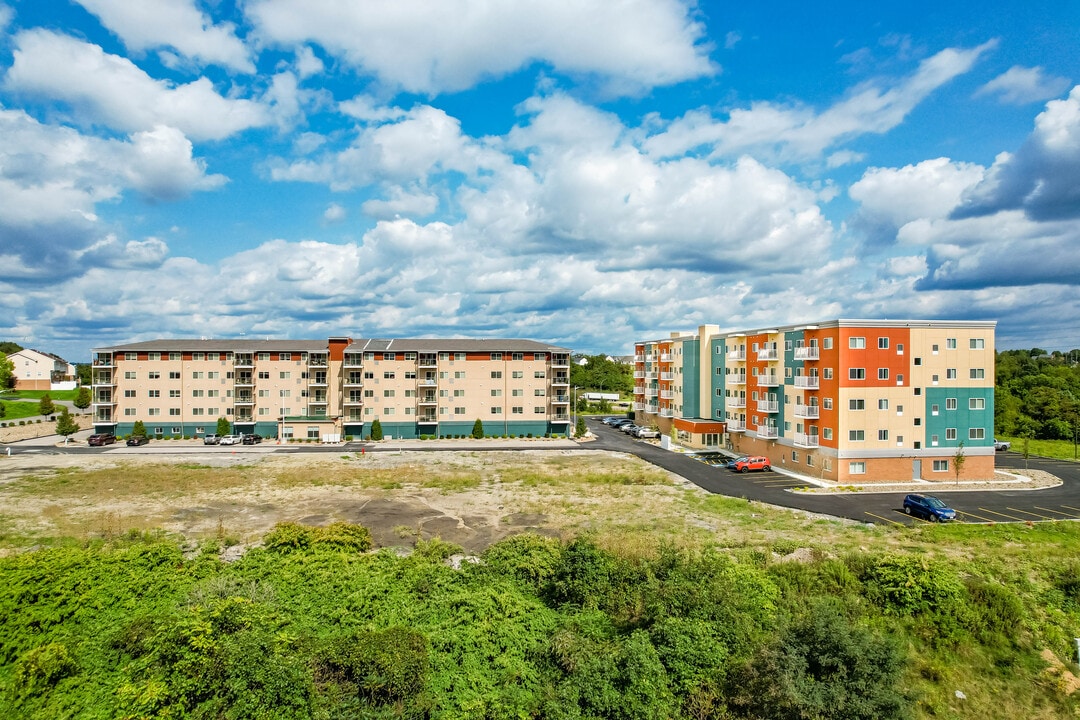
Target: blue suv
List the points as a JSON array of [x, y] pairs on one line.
[[929, 508]]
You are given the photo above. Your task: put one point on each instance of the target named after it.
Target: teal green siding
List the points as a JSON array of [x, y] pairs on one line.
[[962, 418], [718, 368], [691, 379]]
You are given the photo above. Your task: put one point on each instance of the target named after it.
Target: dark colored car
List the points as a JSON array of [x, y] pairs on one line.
[[136, 440], [620, 422], [101, 439], [751, 462], [251, 439], [929, 508]]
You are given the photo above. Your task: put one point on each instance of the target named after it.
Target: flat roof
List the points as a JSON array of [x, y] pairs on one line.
[[317, 346]]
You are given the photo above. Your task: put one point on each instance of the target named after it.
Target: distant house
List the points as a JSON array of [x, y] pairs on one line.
[[35, 370]]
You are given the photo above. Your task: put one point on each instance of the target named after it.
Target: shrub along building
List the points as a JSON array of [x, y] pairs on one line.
[[320, 389], [846, 400]]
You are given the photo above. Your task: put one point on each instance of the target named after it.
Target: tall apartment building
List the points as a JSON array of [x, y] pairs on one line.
[[846, 400], [335, 387]]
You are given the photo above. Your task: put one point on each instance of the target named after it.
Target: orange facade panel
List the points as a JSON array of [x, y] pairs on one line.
[[874, 357]]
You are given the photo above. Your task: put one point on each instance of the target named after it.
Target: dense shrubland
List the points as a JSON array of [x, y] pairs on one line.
[[315, 625]]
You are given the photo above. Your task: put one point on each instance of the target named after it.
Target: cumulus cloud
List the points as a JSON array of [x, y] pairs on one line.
[[333, 213], [401, 201], [799, 133], [1040, 177], [1020, 86], [178, 24], [114, 91], [456, 44]]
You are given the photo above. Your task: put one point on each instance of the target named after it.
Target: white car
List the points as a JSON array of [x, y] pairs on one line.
[[230, 440], [644, 432]]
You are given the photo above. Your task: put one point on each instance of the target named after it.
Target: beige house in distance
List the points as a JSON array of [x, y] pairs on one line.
[[35, 370]]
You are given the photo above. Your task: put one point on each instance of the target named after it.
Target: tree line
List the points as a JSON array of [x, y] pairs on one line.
[[1037, 394]]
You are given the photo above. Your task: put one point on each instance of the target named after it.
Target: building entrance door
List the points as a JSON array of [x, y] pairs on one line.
[[916, 469]]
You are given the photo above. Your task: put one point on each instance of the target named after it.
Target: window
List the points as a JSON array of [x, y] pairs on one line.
[[976, 403], [153, 411], [496, 410], [517, 392], [856, 343], [517, 374], [883, 373], [129, 393], [826, 403], [517, 410], [918, 391], [174, 393], [934, 379], [900, 348], [369, 393], [856, 468], [284, 375], [388, 393], [459, 411], [917, 361], [459, 374], [174, 374], [517, 356], [934, 349], [174, 411], [388, 375], [539, 375], [388, 411], [883, 343], [539, 392], [934, 409], [496, 392], [175, 356], [827, 373], [883, 404], [389, 356], [131, 356], [826, 433], [976, 433], [153, 356], [856, 373], [918, 422], [950, 343], [950, 373], [213, 375], [826, 343], [950, 433], [941, 466], [197, 356], [977, 373], [410, 356], [410, 374], [882, 434], [496, 374], [217, 393], [976, 344], [153, 393], [856, 435], [856, 404], [129, 411], [539, 410], [794, 456]]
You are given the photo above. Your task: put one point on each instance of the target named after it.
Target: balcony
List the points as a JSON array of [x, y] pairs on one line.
[[810, 412], [736, 402], [639, 389], [639, 374], [246, 380], [560, 360], [353, 361], [244, 400], [243, 360], [317, 381], [560, 418], [737, 355], [768, 380], [805, 440], [667, 412], [354, 400], [768, 406], [766, 354], [807, 353], [103, 416], [767, 432], [651, 392], [428, 382], [560, 399], [808, 382], [639, 358], [667, 376], [665, 357], [106, 381], [317, 400], [356, 380], [103, 362], [652, 408], [427, 360], [317, 361], [734, 426], [739, 379], [427, 420], [428, 400], [667, 395], [560, 380], [638, 407]]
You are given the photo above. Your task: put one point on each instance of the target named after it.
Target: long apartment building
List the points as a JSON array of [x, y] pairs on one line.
[[319, 389], [845, 400]]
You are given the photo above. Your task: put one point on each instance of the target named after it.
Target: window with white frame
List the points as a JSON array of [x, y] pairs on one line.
[[950, 343], [976, 403], [950, 433], [883, 343], [883, 373], [856, 373], [857, 467], [976, 433], [941, 466], [976, 344], [856, 343], [856, 404], [856, 435], [977, 373], [882, 434]]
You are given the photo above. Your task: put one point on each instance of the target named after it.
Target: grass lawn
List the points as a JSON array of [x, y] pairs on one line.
[[18, 410], [36, 394], [1058, 449]]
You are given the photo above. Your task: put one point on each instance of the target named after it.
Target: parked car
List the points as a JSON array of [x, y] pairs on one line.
[[211, 439], [230, 440], [928, 507], [136, 440], [747, 463], [251, 439], [644, 432], [101, 439], [1001, 445], [628, 428], [620, 422], [612, 418]]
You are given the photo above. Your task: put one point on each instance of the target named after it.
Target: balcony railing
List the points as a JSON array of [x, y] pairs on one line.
[[767, 432], [809, 352], [560, 380], [736, 402], [639, 406], [667, 376], [737, 355], [667, 395], [560, 399], [735, 379], [428, 400], [811, 412], [103, 363], [639, 389], [651, 392], [768, 406], [805, 440], [766, 354], [560, 360], [560, 417], [428, 382], [667, 412], [639, 358], [639, 374], [768, 380], [652, 409], [736, 426], [427, 420], [808, 382], [665, 357]]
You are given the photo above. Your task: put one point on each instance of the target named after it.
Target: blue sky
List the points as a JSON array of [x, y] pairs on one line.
[[586, 173]]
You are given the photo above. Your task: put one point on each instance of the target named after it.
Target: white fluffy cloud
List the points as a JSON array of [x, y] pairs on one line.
[[114, 91], [149, 24], [455, 44], [799, 133], [1021, 85]]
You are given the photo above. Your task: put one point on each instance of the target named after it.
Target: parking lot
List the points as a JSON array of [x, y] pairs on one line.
[[881, 507]]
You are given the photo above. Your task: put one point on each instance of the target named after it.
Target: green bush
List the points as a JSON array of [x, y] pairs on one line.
[[40, 669], [385, 666], [530, 558], [376, 429], [343, 536]]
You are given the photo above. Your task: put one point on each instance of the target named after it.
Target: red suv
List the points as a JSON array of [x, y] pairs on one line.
[[101, 439], [752, 462]]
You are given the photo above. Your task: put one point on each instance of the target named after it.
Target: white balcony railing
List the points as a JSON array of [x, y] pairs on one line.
[[651, 392], [768, 380], [667, 412], [667, 395], [809, 352], [806, 440], [768, 406], [736, 402], [767, 432], [808, 382], [735, 379], [668, 376], [737, 355], [766, 354], [736, 426], [810, 412]]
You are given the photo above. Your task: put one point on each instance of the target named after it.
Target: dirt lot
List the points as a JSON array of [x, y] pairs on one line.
[[468, 498]]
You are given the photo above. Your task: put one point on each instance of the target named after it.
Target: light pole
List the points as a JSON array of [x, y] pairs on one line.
[[573, 415]]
